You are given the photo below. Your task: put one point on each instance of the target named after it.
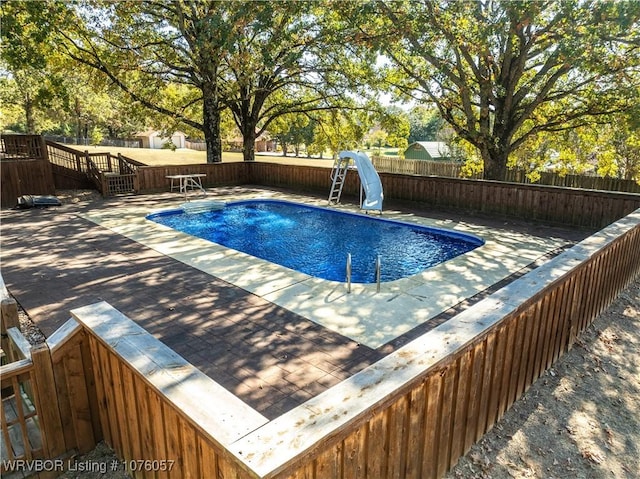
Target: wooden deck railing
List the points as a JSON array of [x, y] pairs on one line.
[[110, 174], [66, 157], [48, 409], [21, 434], [22, 147], [77, 160]]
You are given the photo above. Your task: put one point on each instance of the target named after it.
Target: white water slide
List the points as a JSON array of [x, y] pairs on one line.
[[369, 179]]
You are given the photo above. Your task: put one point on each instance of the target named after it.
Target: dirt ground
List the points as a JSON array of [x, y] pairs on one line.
[[580, 420]]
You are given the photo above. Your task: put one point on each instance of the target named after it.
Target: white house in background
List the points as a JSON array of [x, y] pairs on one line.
[[154, 139]]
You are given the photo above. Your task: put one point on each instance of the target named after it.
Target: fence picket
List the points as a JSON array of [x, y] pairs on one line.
[[47, 401]]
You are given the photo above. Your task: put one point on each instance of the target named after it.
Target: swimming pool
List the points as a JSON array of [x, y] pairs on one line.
[[316, 240]]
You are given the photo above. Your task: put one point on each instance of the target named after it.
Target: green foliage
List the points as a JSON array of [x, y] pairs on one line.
[[189, 61], [336, 131], [464, 152], [606, 149], [290, 58], [169, 145], [424, 124], [26, 93], [489, 67], [472, 168], [518, 83], [378, 138], [292, 129], [395, 122], [27, 33], [96, 136], [45, 90]]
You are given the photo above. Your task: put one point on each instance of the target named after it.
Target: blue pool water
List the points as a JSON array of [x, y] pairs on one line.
[[316, 240]]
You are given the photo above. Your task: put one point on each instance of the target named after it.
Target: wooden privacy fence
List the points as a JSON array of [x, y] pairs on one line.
[[418, 167], [196, 145], [153, 179], [454, 169], [576, 207], [24, 168], [576, 181], [25, 177], [410, 415]]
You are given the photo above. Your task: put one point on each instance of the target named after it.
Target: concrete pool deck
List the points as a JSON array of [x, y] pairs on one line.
[[55, 260], [366, 316]]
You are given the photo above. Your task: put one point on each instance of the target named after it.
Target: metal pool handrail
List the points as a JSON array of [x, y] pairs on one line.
[[348, 272]]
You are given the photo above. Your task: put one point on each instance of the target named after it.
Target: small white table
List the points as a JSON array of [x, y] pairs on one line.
[[187, 182]]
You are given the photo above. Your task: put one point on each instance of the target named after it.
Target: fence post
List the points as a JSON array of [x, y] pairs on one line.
[[47, 401], [43, 146], [8, 319], [104, 182], [136, 181]]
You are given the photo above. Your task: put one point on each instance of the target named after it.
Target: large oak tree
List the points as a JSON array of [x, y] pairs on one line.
[[261, 60], [490, 66]]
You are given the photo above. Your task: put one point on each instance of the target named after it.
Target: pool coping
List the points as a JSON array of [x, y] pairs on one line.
[[369, 318]]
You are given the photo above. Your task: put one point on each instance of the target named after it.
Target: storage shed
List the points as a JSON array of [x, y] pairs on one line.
[[428, 150]]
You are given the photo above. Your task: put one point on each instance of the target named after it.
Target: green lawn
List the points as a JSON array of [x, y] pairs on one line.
[[390, 152], [185, 156], [189, 157]]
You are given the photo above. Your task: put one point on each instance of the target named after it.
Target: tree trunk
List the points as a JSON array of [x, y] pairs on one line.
[[28, 111], [78, 112], [249, 143], [495, 163], [211, 127]]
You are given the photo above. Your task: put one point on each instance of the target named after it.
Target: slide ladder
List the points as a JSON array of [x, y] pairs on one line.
[[338, 177], [370, 182]]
